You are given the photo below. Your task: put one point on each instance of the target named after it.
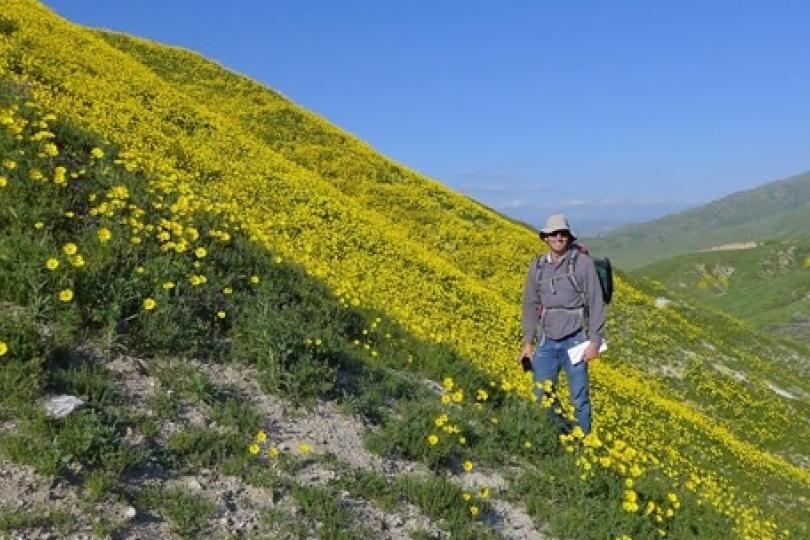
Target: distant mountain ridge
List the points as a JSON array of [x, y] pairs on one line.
[[777, 209]]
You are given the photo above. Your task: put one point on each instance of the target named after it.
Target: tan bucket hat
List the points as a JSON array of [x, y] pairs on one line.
[[557, 222]]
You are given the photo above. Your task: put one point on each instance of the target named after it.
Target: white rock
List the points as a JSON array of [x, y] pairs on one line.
[[779, 391], [130, 513], [61, 406]]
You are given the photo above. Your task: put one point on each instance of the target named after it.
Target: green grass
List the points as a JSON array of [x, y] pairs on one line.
[[12, 519], [768, 286], [328, 513], [186, 513]]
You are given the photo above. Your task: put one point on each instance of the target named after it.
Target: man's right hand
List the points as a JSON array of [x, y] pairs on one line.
[[526, 351]]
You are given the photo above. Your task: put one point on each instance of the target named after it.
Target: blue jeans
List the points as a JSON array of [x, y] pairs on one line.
[[550, 356]]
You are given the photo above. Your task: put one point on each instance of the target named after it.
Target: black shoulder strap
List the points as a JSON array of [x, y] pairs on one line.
[[570, 270], [539, 274], [540, 260]]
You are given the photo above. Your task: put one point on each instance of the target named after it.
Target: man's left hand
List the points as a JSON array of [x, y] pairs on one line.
[[591, 352]]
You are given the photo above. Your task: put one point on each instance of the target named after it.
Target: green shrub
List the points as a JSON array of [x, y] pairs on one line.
[[187, 513], [22, 375]]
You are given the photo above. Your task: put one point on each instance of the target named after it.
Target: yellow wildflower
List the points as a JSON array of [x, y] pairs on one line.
[[168, 285], [272, 452], [474, 510], [254, 449], [227, 290], [220, 314], [432, 439], [261, 436], [104, 234], [77, 261], [39, 225], [50, 149], [304, 448], [9, 164], [254, 279], [3, 182], [66, 295], [59, 175], [3, 348], [200, 252], [52, 264], [97, 153], [70, 248], [468, 466], [149, 304]]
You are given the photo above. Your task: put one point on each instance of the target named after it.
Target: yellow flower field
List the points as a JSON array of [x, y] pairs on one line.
[[381, 236]]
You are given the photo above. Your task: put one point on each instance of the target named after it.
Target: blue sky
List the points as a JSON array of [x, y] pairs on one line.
[[609, 111]]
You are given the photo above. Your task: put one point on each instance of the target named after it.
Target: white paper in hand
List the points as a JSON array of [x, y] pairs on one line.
[[575, 353]]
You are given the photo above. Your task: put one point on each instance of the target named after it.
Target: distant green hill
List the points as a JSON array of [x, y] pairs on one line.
[[767, 285], [777, 209]]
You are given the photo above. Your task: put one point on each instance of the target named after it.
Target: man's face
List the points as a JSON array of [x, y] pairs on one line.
[[557, 240]]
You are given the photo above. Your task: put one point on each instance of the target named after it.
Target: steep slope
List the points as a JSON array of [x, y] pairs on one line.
[[668, 406], [460, 231], [777, 209], [766, 284]]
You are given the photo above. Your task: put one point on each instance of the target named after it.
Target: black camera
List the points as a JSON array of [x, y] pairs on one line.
[[526, 362]]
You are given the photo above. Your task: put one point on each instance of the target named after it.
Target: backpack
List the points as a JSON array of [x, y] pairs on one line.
[[604, 271]]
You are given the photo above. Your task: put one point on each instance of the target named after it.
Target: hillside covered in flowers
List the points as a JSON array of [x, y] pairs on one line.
[[155, 205]]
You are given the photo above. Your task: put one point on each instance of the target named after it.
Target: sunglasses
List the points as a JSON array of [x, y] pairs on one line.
[[552, 234]]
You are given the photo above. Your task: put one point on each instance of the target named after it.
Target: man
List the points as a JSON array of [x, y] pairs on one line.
[[562, 307]]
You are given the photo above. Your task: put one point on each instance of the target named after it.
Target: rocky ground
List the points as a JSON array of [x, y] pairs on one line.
[[57, 508]]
